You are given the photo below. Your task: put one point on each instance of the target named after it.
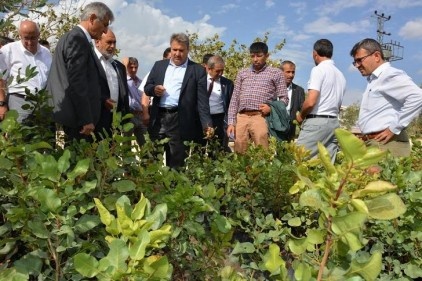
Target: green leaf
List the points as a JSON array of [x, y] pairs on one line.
[[374, 187], [86, 223], [243, 248], [10, 274], [158, 216], [86, 265], [272, 260], [29, 264], [360, 206], [352, 147], [351, 222], [386, 207], [303, 272], [63, 164], [297, 245], [48, 199], [373, 156], [124, 185], [311, 198], [118, 255], [38, 229], [5, 163], [223, 224], [137, 249], [139, 210], [157, 267], [105, 215], [296, 221], [80, 169], [369, 270], [326, 159], [413, 271]]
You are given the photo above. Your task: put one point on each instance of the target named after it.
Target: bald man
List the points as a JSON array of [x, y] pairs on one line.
[[15, 57]]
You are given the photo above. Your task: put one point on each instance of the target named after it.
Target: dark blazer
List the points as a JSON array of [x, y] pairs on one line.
[[297, 99], [73, 81], [227, 87], [106, 116], [193, 108]]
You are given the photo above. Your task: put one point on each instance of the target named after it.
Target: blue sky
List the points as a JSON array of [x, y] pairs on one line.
[[143, 29]]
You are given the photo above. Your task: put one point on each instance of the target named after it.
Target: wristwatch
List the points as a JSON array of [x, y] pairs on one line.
[[3, 103]]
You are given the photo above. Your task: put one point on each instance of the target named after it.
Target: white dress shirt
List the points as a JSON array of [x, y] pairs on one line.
[[216, 101], [14, 60], [391, 100], [111, 74]]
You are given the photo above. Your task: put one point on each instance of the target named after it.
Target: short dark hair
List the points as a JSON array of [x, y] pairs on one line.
[[258, 47], [368, 44], [132, 60], [166, 52], [324, 48], [206, 57]]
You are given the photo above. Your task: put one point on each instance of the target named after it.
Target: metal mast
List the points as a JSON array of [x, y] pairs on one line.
[[392, 50]]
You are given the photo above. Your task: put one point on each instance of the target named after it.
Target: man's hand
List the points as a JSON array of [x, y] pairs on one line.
[[110, 104], [145, 118], [87, 129], [299, 117], [159, 90], [231, 132], [209, 133], [384, 136], [3, 110], [265, 109]]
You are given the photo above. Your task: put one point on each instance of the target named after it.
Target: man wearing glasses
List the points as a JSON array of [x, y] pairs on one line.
[[390, 102], [15, 57]]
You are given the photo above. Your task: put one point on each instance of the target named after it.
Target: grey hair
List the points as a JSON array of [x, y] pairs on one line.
[[214, 60], [283, 63], [181, 38], [368, 44], [132, 60], [99, 9]]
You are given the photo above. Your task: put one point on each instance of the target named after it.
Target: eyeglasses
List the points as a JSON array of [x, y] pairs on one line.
[[358, 61]]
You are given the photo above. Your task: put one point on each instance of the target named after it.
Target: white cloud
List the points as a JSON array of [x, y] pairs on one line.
[[335, 7], [300, 7], [269, 3], [227, 8], [412, 29], [325, 26]]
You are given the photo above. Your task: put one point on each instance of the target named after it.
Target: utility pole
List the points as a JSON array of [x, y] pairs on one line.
[[393, 50]]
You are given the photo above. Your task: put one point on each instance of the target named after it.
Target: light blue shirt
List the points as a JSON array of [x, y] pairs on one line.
[[173, 84], [391, 100], [135, 95]]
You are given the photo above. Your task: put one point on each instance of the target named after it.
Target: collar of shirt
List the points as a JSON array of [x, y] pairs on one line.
[[185, 64], [88, 36], [28, 52], [377, 72], [209, 78], [289, 88], [258, 71]]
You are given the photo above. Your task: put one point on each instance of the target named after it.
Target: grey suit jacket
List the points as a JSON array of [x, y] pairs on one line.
[[73, 81], [193, 108]]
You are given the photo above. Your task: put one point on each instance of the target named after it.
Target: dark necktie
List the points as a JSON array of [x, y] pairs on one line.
[[211, 86]]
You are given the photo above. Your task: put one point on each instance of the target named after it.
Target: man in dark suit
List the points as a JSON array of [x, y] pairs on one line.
[[296, 95], [73, 81], [220, 90], [114, 89], [180, 110]]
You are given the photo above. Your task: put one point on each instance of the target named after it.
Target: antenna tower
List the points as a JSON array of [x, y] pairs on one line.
[[392, 50]]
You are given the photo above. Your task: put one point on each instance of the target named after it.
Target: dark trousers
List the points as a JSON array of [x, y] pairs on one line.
[[220, 130], [167, 126], [74, 134]]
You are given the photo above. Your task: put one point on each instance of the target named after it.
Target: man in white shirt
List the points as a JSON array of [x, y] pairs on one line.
[[15, 57], [390, 102], [319, 114]]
